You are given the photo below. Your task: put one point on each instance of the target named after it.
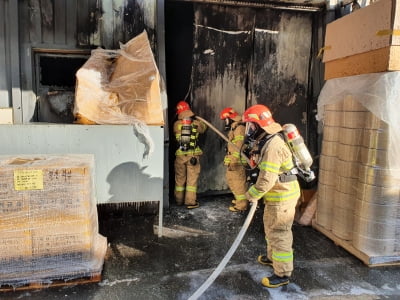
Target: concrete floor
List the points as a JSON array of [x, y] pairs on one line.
[[140, 265]]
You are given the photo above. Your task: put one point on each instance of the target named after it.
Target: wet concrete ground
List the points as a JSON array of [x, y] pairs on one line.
[[141, 265]]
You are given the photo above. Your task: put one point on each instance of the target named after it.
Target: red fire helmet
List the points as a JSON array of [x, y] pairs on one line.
[[259, 114], [228, 112], [182, 106]]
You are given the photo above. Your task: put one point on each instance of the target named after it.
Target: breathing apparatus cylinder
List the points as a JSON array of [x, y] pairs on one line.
[[297, 146], [186, 131]]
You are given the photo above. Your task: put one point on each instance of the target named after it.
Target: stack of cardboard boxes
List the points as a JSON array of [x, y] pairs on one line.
[[359, 183], [48, 219]]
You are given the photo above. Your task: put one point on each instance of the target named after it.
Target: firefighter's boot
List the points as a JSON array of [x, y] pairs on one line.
[[240, 206], [191, 206], [264, 260], [274, 281]]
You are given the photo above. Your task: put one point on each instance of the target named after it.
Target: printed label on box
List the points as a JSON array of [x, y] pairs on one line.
[[28, 180]]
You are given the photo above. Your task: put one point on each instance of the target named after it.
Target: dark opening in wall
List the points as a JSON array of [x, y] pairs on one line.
[[55, 84], [59, 71]]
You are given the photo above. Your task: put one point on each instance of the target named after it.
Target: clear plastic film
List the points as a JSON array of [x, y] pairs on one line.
[[379, 93], [48, 219], [121, 87], [361, 130]]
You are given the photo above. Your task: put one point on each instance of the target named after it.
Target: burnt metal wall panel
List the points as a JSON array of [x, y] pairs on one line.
[[121, 20], [60, 22], [83, 20], [87, 23], [221, 56], [34, 25], [243, 56], [71, 22], [315, 84], [281, 55], [47, 17]]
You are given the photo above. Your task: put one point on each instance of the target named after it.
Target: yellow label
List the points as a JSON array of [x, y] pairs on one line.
[[28, 180], [388, 32]]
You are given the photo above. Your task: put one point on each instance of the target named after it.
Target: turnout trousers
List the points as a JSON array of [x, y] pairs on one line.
[[236, 180], [186, 177], [278, 220]]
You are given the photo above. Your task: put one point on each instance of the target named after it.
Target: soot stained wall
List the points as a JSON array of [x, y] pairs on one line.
[[243, 56]]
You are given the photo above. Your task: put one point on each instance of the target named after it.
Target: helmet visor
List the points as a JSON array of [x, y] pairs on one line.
[[251, 129], [228, 123]]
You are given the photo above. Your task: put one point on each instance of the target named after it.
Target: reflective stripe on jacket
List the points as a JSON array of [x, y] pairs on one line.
[[276, 159], [235, 136], [200, 128]]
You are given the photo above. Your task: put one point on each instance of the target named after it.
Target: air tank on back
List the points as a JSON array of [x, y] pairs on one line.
[[298, 147]]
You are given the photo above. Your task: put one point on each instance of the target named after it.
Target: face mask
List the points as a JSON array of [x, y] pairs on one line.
[[251, 130], [228, 123]]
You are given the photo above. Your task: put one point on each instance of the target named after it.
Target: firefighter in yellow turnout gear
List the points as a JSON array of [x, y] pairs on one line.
[[278, 188], [235, 171], [187, 156]]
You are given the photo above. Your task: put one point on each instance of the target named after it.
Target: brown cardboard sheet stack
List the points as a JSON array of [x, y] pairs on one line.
[[358, 191], [48, 219], [327, 172], [339, 163], [377, 207], [365, 41], [357, 107], [119, 86]]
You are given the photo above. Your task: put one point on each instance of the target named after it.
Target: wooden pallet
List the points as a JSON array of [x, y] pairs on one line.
[[370, 261], [54, 283]]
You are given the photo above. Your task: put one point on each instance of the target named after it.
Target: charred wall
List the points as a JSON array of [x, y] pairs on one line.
[[66, 30], [241, 56]]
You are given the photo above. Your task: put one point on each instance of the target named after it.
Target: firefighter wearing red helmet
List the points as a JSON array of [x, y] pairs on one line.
[[187, 156], [277, 187], [235, 170]]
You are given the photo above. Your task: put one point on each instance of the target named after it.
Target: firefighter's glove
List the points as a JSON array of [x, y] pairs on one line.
[[251, 199]]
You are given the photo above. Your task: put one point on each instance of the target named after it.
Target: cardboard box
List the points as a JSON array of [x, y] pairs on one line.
[[48, 218], [58, 187], [365, 41], [15, 245], [306, 208], [6, 115], [67, 237]]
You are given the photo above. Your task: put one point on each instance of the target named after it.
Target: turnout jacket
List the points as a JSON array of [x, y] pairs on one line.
[[236, 136], [198, 127], [276, 159]]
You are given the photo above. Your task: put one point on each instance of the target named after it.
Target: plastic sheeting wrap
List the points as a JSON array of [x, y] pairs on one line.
[[364, 109], [48, 219], [121, 87]]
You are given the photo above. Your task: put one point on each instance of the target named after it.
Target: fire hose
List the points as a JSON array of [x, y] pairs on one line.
[[239, 237], [224, 138], [227, 256]]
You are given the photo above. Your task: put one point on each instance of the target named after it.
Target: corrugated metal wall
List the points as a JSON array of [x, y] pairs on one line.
[[4, 59], [9, 58], [61, 26], [243, 56], [85, 23]]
